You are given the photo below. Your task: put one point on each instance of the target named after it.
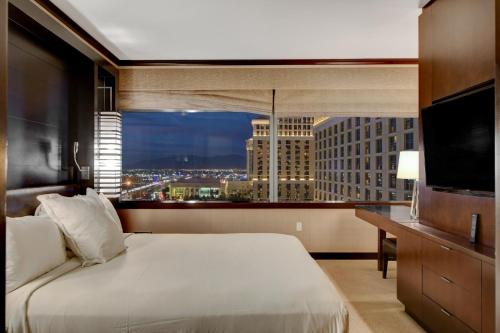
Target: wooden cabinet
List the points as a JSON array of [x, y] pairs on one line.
[[462, 45], [452, 279], [488, 298], [443, 287], [409, 282], [438, 320]]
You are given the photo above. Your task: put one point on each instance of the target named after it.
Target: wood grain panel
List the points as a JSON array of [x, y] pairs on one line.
[[51, 105], [437, 320], [463, 51], [460, 268], [3, 150], [425, 33], [452, 213], [488, 298], [456, 46], [409, 282], [462, 303]]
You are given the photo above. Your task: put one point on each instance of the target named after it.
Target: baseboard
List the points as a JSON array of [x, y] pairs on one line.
[[344, 255]]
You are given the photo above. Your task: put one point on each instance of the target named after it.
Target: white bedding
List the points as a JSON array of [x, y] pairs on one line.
[[185, 283]]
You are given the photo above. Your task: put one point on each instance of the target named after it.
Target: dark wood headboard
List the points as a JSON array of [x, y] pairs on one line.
[[23, 201]]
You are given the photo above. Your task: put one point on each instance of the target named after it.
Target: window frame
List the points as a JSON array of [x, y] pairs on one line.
[[273, 200]]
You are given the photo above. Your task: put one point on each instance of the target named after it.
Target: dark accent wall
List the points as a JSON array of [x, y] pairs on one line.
[[51, 104], [3, 127], [457, 51]]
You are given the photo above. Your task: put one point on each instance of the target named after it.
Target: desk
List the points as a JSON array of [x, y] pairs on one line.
[[385, 218], [427, 257], [395, 219]]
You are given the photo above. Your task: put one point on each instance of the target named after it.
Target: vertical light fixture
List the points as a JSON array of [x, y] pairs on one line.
[[408, 169], [108, 147]]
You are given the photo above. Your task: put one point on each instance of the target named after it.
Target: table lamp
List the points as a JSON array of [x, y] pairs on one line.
[[408, 169]]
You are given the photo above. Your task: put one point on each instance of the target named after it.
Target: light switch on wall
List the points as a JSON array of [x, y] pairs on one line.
[[299, 226]]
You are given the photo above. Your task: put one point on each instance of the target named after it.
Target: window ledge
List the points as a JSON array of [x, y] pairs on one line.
[[250, 205]]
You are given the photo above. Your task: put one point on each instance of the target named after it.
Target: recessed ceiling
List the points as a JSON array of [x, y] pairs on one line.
[[252, 29]]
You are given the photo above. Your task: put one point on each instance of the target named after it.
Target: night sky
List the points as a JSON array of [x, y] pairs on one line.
[[154, 139]]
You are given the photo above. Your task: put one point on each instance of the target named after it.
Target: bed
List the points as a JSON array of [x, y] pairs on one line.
[[185, 283]]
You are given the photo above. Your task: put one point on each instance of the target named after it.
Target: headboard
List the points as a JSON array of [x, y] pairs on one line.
[[23, 201]]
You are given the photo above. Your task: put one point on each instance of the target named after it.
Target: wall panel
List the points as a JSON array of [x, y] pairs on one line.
[[456, 49], [324, 230]]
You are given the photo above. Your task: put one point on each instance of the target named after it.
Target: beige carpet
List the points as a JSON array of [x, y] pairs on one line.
[[371, 300]]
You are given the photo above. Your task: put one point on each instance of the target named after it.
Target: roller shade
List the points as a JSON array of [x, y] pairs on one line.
[[256, 101], [371, 91], [347, 103]]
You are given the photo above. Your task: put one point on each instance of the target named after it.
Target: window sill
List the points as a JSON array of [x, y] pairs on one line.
[[251, 205]]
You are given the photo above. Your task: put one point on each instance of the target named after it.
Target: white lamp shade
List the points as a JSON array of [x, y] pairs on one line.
[[408, 165]]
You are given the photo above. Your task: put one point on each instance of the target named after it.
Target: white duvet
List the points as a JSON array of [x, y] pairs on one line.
[[185, 283]]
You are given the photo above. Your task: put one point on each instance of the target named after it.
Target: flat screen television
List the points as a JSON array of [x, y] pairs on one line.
[[459, 142]]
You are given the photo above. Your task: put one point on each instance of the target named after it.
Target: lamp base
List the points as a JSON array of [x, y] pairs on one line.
[[414, 202]]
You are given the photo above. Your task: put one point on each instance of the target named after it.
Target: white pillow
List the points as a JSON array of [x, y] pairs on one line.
[[107, 204], [84, 221], [35, 245]]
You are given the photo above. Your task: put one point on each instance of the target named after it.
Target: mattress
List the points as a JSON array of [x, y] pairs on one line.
[[185, 283]]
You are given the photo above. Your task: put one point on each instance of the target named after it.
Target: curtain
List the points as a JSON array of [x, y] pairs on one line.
[[256, 101], [347, 103], [371, 91]]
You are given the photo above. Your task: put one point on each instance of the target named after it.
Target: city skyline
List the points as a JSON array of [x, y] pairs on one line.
[[185, 139]]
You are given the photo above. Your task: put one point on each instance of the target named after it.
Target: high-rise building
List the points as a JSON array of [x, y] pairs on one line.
[[357, 158], [295, 159]]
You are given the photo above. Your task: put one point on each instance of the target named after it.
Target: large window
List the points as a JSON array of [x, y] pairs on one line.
[[182, 156], [195, 156]]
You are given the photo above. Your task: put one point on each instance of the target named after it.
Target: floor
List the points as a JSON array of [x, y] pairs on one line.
[[371, 300]]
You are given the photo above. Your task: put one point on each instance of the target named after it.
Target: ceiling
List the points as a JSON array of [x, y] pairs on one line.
[[256, 29]]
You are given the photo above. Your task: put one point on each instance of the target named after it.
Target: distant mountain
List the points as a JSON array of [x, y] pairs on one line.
[[189, 162]]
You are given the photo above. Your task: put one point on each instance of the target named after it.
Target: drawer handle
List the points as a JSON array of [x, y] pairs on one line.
[[446, 312], [445, 279], [445, 248]]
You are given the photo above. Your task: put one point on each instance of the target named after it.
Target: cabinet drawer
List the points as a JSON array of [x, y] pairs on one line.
[[461, 303], [454, 265], [439, 320]]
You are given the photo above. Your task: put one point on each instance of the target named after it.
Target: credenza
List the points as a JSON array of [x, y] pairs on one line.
[[445, 283]]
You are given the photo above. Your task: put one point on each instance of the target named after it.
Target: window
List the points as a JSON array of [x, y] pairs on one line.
[[176, 156], [393, 164], [367, 131], [392, 180], [408, 123], [409, 141], [379, 163], [378, 195], [393, 196], [393, 143], [392, 124], [378, 146], [378, 128], [408, 184]]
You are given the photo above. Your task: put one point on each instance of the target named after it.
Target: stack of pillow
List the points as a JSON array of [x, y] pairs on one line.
[[87, 224]]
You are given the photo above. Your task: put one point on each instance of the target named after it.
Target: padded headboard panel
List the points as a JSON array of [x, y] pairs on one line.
[[23, 201]]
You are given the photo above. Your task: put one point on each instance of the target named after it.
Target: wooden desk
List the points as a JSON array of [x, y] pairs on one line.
[[386, 219], [445, 282]]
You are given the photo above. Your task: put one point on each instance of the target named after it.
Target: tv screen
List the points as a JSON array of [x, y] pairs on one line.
[[459, 141]]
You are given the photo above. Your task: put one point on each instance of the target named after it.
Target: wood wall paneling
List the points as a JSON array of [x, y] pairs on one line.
[[463, 52], [51, 105], [3, 150], [38, 113], [456, 49], [409, 283], [488, 298]]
